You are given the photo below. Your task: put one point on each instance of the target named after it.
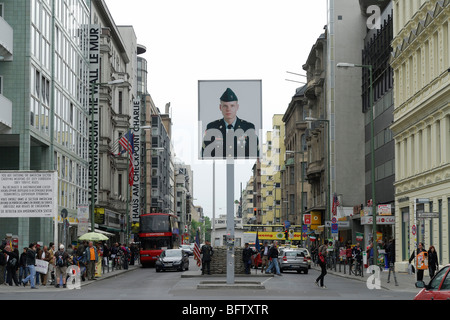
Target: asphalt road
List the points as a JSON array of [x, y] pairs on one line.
[[147, 284]]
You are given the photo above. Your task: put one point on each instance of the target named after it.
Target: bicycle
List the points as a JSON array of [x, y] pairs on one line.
[[358, 268]]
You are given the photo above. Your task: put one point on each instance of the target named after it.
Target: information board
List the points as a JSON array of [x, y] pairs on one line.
[[31, 194]]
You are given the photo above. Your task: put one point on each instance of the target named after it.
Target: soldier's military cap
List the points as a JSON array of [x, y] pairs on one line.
[[228, 96]]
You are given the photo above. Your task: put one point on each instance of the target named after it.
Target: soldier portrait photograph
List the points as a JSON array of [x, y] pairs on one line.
[[233, 133]]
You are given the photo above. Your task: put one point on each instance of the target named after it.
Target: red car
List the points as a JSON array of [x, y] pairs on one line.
[[438, 288]]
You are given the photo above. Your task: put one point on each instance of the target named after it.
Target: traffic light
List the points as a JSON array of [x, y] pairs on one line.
[[286, 234]]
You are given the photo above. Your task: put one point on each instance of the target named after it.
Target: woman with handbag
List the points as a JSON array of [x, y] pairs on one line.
[[323, 264]]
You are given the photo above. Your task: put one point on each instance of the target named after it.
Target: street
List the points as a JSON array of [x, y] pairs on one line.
[[146, 284]]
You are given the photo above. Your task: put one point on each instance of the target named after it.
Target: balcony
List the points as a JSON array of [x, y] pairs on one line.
[[6, 40], [5, 115], [314, 170]]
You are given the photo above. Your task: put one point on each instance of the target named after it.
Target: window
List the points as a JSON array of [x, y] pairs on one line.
[[1, 85], [1, 9]]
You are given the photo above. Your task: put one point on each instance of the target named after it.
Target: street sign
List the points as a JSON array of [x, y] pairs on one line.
[[334, 228], [425, 215], [333, 220]]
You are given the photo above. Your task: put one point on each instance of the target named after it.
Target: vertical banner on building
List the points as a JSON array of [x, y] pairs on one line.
[[94, 79], [83, 219], [136, 195]]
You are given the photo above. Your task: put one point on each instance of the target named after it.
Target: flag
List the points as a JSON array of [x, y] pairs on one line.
[[335, 204], [257, 246], [197, 250], [127, 143]]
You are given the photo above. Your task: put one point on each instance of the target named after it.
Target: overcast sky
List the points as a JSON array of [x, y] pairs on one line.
[[192, 40]]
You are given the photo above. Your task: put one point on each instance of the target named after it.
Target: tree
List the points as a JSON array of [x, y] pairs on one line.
[[205, 230]]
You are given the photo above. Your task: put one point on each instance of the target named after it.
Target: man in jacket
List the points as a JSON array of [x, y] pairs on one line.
[[207, 253], [390, 250], [273, 255], [247, 258], [61, 257], [31, 263], [91, 257]]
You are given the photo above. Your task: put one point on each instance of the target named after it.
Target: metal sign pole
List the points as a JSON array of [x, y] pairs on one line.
[[230, 221]]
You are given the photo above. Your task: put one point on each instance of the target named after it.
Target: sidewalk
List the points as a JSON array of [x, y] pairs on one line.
[[405, 281], [50, 288]]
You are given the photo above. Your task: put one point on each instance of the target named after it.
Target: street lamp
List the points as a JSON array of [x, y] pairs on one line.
[[372, 149], [309, 119], [93, 85]]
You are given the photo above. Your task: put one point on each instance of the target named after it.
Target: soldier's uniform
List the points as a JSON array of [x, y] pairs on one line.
[[245, 142]]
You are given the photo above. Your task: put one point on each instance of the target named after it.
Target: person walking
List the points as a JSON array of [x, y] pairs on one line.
[[264, 257], [273, 255], [51, 263], [12, 265], [390, 250], [322, 260], [3, 256], [31, 262], [91, 258], [247, 258], [433, 261], [45, 255], [207, 252], [61, 257], [415, 253], [23, 271]]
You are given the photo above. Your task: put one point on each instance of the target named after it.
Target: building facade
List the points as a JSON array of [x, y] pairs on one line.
[[271, 162], [420, 60], [44, 125]]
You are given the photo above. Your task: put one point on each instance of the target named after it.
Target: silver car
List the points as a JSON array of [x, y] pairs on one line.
[[293, 259]]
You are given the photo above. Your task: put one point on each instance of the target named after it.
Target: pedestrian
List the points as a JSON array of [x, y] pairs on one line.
[[61, 258], [12, 264], [45, 255], [126, 256], [31, 262], [51, 263], [415, 253], [91, 258], [433, 261], [264, 256], [322, 259], [3, 256], [207, 252], [390, 250], [23, 271], [273, 256], [38, 256], [247, 258]]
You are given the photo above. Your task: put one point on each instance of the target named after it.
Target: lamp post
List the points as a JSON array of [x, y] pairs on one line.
[[372, 150], [308, 119], [93, 85]]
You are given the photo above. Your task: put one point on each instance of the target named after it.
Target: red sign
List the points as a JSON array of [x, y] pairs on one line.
[[307, 218]]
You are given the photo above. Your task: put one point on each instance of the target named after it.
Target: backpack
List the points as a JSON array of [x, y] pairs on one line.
[[60, 261]]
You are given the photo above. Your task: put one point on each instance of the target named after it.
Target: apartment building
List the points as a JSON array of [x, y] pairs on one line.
[[420, 60]]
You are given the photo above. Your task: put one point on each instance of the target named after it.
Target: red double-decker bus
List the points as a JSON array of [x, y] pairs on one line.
[[157, 232]]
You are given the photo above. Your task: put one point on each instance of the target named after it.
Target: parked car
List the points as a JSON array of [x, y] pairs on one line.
[[187, 249], [172, 259], [293, 259], [307, 256], [438, 288]]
